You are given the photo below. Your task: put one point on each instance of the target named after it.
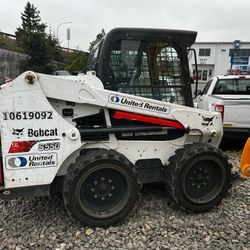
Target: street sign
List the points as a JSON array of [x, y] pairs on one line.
[[239, 60], [68, 34], [237, 44]]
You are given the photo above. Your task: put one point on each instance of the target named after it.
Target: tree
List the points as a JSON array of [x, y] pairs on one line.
[[31, 20], [99, 36], [77, 61], [40, 47]]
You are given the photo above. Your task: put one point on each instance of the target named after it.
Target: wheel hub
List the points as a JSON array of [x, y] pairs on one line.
[[203, 181], [102, 189], [199, 177]]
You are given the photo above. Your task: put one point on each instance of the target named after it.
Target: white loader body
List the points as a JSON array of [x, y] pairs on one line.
[[38, 143]]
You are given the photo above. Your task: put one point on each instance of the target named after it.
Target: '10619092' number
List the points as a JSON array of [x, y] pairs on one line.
[[27, 115]]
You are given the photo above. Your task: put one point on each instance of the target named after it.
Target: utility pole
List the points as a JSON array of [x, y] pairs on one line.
[[68, 36]]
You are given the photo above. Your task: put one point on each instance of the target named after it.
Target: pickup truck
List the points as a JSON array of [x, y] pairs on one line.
[[229, 95]]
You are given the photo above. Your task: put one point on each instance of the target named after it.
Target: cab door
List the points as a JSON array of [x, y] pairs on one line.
[[151, 69]]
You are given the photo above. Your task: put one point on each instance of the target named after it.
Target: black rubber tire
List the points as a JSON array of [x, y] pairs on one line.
[[198, 177], [101, 188]]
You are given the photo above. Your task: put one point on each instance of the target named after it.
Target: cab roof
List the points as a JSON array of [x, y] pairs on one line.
[[186, 37]]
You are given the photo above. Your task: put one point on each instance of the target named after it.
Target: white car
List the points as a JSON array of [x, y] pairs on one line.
[[229, 95]]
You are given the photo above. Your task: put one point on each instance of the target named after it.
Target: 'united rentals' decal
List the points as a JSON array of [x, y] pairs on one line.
[[42, 160], [129, 102]]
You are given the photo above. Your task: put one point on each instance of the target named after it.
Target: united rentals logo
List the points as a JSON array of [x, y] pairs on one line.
[[114, 98], [17, 162], [31, 161], [125, 101]]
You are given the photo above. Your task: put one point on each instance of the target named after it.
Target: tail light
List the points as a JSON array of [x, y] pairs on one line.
[[219, 108], [21, 146]]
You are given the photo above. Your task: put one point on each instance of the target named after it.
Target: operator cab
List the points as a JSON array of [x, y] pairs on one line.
[[151, 63]]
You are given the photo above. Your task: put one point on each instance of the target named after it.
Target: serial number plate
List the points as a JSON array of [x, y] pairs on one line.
[[28, 115]]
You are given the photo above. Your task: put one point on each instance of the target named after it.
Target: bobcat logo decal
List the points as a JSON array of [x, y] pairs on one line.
[[207, 121], [18, 132]]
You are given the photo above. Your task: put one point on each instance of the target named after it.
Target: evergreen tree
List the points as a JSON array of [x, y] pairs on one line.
[[77, 61], [31, 20], [40, 47]]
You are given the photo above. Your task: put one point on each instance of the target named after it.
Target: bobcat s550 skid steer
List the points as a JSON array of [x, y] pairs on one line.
[[97, 137]]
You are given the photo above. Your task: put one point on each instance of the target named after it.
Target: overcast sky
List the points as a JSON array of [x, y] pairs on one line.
[[215, 20]]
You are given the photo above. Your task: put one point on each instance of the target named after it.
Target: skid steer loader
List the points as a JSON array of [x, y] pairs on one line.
[[97, 139]]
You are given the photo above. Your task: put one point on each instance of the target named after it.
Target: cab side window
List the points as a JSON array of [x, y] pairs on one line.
[[147, 68]]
